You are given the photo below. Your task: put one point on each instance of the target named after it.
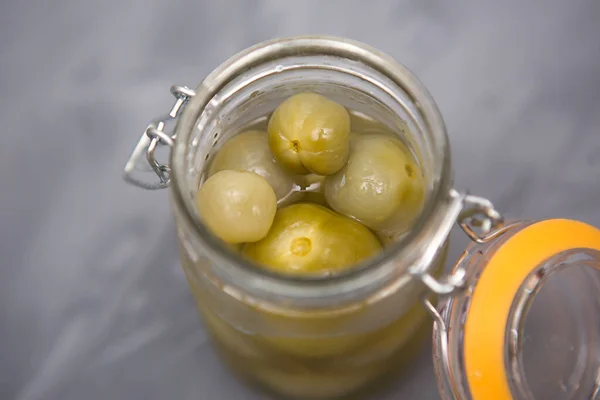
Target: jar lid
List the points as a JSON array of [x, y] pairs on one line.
[[526, 324]]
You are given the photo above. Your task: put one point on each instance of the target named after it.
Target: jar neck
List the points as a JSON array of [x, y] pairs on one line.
[[250, 82]]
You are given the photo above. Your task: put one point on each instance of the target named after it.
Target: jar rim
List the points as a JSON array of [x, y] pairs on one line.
[[374, 273]]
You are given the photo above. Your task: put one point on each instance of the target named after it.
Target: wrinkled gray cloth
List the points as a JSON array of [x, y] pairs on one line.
[[93, 304]]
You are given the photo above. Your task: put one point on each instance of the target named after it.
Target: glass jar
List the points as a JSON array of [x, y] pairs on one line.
[[323, 337], [308, 337]]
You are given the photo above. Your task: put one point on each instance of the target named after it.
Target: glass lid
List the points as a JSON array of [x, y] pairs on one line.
[[526, 324]]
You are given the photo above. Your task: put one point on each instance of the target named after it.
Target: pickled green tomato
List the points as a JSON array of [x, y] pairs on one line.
[[309, 133], [347, 362], [237, 206], [249, 151], [381, 185], [307, 238]]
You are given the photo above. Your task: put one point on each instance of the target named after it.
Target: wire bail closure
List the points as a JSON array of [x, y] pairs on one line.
[[478, 219], [481, 222], [154, 136]]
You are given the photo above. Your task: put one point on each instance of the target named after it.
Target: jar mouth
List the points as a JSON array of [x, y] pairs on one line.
[[366, 277]]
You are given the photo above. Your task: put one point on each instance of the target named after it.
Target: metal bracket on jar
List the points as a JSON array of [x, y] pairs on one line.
[[154, 136], [481, 222]]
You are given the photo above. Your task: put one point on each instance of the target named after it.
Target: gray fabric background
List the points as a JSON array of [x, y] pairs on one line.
[[93, 304]]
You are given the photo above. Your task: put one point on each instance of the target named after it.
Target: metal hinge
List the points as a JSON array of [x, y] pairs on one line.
[[478, 219], [154, 136]]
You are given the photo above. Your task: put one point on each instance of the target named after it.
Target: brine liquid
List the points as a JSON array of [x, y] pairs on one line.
[[334, 360]]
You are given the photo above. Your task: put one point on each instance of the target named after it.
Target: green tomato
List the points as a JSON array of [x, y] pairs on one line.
[[249, 151], [308, 238], [310, 133], [381, 185], [237, 206]]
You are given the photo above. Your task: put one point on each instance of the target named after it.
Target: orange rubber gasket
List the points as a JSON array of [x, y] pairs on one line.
[[499, 283]]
